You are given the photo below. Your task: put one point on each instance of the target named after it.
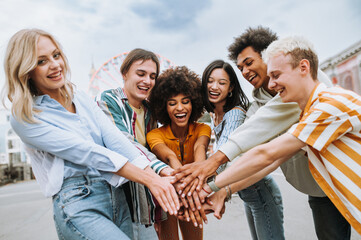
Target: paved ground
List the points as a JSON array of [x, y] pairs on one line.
[[26, 214]]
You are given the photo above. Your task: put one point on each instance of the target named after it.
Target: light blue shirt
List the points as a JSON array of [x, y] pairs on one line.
[[63, 144], [231, 120]]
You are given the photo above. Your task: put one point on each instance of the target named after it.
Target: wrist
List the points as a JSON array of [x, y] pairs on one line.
[[211, 183], [220, 158]]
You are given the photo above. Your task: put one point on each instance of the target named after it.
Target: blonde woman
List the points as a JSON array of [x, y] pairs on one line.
[[79, 157]]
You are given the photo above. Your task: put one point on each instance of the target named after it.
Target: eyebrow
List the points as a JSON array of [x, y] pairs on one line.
[[55, 50], [220, 78]]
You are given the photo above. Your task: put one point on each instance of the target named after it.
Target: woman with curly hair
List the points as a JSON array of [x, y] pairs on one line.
[[176, 102]]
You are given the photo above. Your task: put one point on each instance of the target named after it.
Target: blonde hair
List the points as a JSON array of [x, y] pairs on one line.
[[298, 48], [20, 60]]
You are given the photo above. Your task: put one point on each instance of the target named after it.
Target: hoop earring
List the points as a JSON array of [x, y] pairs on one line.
[[230, 94]]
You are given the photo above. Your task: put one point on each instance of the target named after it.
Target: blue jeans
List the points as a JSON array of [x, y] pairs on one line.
[[329, 222], [264, 209], [90, 208]]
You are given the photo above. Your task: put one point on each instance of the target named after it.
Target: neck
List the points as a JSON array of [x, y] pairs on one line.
[[218, 113], [179, 132], [134, 102], [308, 89]]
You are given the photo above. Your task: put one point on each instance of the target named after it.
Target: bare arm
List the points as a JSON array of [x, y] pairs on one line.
[[164, 153], [161, 188], [200, 148]]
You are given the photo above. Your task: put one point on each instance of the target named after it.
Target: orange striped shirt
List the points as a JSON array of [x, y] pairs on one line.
[[330, 126]]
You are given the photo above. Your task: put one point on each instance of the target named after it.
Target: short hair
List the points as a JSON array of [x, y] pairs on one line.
[[258, 38], [298, 48], [238, 97], [20, 60], [139, 54], [174, 81]]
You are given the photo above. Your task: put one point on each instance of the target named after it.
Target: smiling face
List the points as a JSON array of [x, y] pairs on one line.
[[48, 76], [252, 67], [139, 81], [219, 86], [285, 80], [179, 109]]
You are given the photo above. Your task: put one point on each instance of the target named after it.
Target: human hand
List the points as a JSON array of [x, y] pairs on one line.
[[164, 192], [189, 172], [186, 214], [217, 203], [166, 172]]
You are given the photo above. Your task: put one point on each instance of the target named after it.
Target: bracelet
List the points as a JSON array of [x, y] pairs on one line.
[[229, 193], [206, 190]]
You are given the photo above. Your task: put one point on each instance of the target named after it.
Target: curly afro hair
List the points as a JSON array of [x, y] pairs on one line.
[[174, 81], [258, 38]]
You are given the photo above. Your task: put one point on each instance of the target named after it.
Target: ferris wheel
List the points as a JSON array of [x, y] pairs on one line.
[[108, 76]]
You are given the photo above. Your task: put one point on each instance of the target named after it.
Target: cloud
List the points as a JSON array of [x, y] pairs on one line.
[[170, 15]]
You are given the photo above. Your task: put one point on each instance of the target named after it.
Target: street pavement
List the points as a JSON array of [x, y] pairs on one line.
[[26, 214]]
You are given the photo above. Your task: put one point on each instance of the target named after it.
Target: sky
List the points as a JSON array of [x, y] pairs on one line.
[[187, 32]]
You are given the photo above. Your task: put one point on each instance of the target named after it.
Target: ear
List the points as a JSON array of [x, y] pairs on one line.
[[304, 66]]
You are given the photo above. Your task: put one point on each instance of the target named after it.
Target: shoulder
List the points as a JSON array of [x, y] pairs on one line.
[[158, 131], [202, 129]]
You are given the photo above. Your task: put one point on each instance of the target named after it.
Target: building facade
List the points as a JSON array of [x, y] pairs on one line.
[[14, 162], [344, 69]]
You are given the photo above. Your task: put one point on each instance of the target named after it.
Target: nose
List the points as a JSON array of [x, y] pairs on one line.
[[179, 106], [54, 63], [245, 72], [271, 84], [147, 79], [213, 85]]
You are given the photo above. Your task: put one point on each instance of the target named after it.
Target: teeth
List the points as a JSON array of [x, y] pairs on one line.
[[143, 88], [181, 115], [251, 78], [214, 93], [55, 75]]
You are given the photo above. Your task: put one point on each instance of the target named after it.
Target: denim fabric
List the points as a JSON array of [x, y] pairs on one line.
[[329, 222], [264, 209], [90, 208], [141, 232]]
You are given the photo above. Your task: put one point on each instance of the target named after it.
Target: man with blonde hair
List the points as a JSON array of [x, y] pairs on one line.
[[329, 129]]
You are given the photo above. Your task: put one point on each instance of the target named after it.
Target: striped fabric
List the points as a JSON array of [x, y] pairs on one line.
[[330, 125], [114, 104], [231, 120]]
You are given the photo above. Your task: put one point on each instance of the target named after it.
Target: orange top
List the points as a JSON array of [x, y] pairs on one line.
[[165, 135]]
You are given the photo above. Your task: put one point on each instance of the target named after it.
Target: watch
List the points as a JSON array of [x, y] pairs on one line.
[[211, 183]]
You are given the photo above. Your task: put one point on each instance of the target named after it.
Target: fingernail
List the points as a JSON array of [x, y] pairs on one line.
[[170, 212], [183, 195], [195, 224], [200, 226], [189, 194], [188, 219], [206, 221], [180, 192], [193, 209], [199, 207]]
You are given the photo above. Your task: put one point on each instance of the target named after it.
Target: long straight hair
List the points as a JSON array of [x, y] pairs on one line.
[[20, 60], [238, 97]]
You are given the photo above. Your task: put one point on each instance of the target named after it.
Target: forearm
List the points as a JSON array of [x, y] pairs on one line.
[[217, 159], [135, 174]]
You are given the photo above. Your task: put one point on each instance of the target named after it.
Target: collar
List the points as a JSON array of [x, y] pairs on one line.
[[314, 95], [169, 134], [124, 97]]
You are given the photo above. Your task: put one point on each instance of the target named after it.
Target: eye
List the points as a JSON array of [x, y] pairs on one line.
[[249, 63], [41, 62], [57, 55], [152, 76], [275, 76], [171, 103]]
